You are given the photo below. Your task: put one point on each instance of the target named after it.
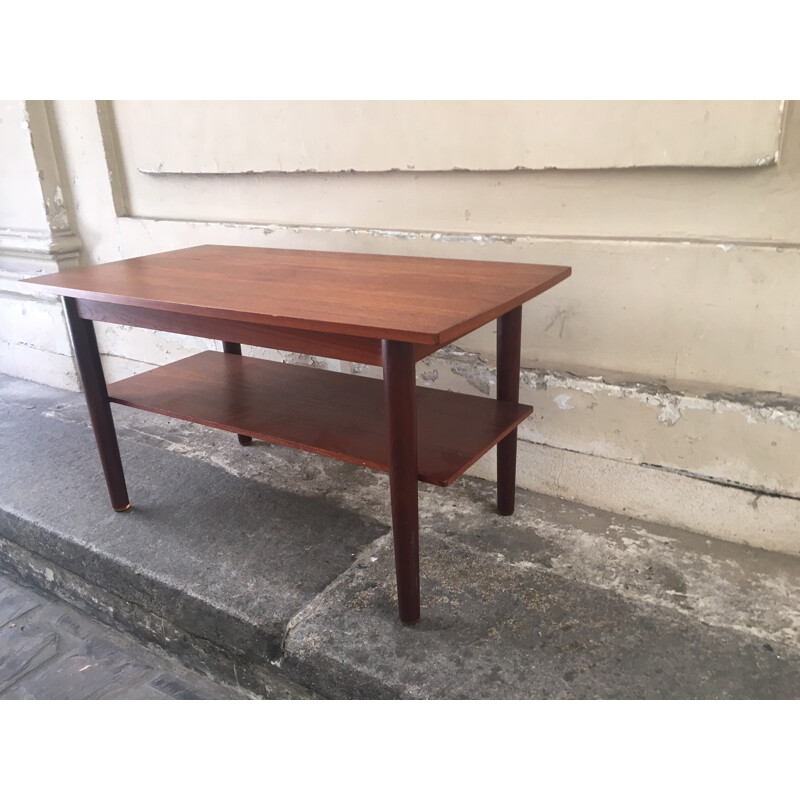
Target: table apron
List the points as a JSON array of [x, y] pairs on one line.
[[327, 345], [360, 349]]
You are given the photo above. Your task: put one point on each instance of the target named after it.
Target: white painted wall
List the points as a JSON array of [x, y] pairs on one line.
[[233, 137], [36, 236], [665, 372], [21, 202]]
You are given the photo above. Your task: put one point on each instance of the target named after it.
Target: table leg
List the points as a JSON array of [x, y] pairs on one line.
[[236, 349], [87, 355], [399, 378], [509, 334]]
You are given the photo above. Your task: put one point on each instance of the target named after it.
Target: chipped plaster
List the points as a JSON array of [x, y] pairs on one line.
[[747, 440]]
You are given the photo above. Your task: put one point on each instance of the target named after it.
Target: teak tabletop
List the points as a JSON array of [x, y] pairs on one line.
[[408, 299], [390, 311]]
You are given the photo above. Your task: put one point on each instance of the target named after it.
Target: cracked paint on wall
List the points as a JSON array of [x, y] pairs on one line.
[[741, 440]]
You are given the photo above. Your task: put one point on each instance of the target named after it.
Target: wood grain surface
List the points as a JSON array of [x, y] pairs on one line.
[[335, 414], [423, 300]]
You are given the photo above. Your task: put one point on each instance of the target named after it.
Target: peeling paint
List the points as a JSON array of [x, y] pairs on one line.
[[563, 402], [379, 232], [470, 366], [56, 210], [670, 413], [304, 360], [448, 237], [759, 406], [733, 440], [473, 238], [430, 376], [764, 406], [482, 378]]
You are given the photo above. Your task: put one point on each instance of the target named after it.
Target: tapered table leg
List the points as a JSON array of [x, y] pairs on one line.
[[236, 349], [87, 355], [401, 413], [509, 333]]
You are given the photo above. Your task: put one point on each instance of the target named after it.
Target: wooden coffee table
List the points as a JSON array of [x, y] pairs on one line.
[[389, 311]]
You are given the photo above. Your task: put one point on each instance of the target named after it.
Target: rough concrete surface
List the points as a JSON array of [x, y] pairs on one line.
[[281, 561]]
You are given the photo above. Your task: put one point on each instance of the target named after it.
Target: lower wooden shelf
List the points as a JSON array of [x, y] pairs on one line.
[[335, 414]]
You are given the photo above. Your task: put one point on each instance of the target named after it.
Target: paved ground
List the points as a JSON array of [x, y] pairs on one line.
[[273, 569], [51, 651]]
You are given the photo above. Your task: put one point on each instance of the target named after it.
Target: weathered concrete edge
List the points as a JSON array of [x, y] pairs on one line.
[[257, 676], [325, 673], [245, 639]]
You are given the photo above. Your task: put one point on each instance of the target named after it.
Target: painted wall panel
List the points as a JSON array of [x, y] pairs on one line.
[[199, 137], [21, 202]]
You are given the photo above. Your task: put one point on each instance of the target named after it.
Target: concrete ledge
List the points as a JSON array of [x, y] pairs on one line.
[[274, 568], [258, 677], [658, 495]]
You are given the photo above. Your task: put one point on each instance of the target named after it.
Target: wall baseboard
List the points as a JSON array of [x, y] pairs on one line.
[[657, 495]]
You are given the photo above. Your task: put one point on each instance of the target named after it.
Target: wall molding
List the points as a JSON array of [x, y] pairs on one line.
[[439, 136], [457, 237], [39, 244], [26, 254]]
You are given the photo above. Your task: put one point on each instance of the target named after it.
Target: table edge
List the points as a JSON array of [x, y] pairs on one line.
[[440, 338]]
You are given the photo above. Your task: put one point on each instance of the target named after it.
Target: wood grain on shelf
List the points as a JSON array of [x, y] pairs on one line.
[[331, 413]]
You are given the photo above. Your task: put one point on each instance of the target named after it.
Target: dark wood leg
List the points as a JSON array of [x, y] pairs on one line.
[[236, 349], [399, 379], [509, 334], [87, 355]]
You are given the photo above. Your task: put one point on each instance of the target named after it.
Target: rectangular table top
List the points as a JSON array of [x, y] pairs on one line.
[[405, 298]]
